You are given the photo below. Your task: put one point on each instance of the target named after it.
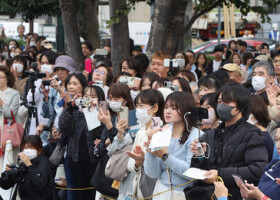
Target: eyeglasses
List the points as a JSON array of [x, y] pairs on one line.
[[102, 73], [1, 77], [276, 61]]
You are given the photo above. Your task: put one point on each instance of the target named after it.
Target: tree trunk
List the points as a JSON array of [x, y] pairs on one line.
[[120, 43], [72, 36], [159, 28], [91, 22], [31, 26], [176, 28]]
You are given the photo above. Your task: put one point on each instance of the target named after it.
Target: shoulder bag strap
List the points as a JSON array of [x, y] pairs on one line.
[[13, 116], [169, 178]]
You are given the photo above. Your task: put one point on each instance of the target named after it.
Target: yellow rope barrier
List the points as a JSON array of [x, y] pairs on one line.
[[109, 198], [80, 189]]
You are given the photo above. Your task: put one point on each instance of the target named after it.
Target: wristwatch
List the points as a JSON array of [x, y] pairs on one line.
[[164, 156]]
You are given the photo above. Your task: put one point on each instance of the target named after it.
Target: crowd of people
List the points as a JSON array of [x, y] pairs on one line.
[[100, 127]]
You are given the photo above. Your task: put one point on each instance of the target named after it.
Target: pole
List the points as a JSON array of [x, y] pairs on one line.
[[232, 21], [219, 25], [226, 22]]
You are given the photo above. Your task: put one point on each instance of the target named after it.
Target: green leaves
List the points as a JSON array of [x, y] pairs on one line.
[[30, 9], [244, 6]]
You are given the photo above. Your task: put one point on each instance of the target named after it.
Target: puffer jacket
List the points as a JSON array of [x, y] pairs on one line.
[[248, 160]]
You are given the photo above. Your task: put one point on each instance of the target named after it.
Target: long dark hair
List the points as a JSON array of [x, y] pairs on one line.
[[183, 101], [259, 110], [197, 56]]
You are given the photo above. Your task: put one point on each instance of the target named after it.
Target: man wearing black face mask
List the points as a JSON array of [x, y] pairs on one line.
[[235, 147]]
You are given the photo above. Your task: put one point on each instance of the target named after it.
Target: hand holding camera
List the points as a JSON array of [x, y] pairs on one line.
[[39, 129], [198, 148], [24, 159]]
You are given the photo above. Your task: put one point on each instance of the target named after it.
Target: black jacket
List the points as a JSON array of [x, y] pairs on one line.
[[249, 159], [209, 67], [37, 183]]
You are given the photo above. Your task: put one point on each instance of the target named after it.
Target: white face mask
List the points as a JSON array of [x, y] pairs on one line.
[[18, 67], [181, 63], [12, 54], [32, 44], [10, 47], [251, 121], [258, 82], [30, 153], [211, 118], [115, 106], [47, 68], [133, 94], [142, 115]]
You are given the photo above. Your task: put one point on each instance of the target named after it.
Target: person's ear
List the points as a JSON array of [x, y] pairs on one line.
[[155, 108]]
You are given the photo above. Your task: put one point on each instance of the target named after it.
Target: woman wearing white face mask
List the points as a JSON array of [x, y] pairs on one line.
[[47, 59], [119, 95], [149, 103], [18, 68], [260, 118], [208, 101], [37, 183]]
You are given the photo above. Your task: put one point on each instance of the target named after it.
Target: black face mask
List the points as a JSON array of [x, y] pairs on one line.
[[224, 112]]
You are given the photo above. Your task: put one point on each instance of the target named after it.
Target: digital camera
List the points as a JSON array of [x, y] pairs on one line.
[[16, 173], [84, 102]]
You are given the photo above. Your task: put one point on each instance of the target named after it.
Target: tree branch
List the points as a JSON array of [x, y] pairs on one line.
[[197, 15]]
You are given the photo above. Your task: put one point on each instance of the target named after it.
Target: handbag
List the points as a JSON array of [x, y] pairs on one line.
[[12, 131], [116, 167], [147, 184], [57, 154], [101, 182]]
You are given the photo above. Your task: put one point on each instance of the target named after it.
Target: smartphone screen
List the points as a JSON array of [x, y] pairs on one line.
[[103, 106], [88, 66], [156, 122], [238, 179]]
